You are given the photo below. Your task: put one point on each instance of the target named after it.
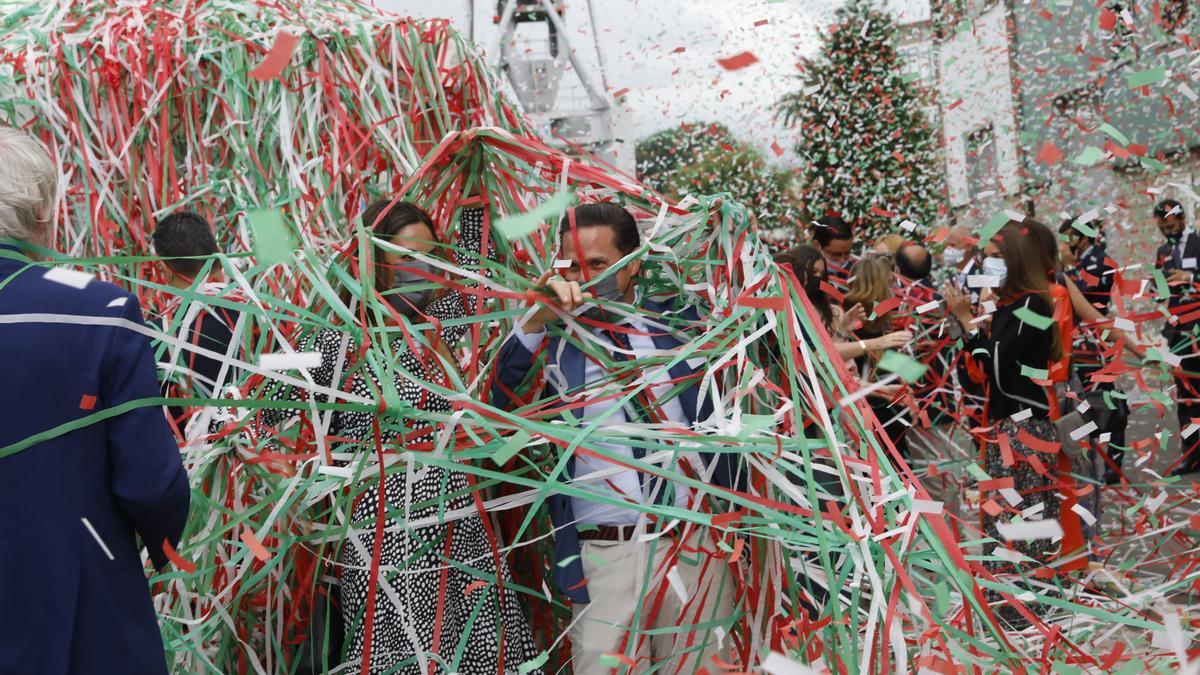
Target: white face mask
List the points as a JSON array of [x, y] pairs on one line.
[[953, 256], [995, 267]]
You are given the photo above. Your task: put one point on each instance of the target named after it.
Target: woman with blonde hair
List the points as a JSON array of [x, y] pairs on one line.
[[869, 288]]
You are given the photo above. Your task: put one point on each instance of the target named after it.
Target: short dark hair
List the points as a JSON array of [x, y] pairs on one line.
[[1166, 206], [830, 228], [913, 261], [385, 219], [625, 231], [181, 238]]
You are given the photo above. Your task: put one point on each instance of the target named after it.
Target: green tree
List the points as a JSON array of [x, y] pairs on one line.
[[707, 159], [867, 150]]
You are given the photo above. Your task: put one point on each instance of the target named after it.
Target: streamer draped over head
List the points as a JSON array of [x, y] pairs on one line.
[[282, 143]]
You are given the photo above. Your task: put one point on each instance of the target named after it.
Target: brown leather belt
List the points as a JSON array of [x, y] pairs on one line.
[[608, 533]]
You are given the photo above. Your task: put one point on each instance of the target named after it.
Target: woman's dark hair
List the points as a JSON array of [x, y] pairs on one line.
[[803, 260], [1030, 253], [385, 220], [625, 231], [831, 227]]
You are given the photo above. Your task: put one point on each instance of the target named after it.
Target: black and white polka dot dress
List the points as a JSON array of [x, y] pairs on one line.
[[431, 601]]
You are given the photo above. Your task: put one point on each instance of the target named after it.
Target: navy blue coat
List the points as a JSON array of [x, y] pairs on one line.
[[515, 361], [65, 606]]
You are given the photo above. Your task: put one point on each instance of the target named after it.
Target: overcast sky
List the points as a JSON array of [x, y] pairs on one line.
[[638, 42]]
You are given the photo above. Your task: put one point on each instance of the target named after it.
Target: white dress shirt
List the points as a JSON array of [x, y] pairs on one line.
[[627, 482]]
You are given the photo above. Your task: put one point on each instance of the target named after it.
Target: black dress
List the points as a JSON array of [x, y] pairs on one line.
[[426, 594], [1007, 355]]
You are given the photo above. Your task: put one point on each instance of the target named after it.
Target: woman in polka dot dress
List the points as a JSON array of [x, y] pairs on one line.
[[429, 602]]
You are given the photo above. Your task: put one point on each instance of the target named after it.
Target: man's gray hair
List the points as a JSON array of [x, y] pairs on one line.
[[28, 184]]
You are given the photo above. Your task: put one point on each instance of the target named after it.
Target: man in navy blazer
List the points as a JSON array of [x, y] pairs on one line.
[[598, 545], [75, 494], [1177, 258]]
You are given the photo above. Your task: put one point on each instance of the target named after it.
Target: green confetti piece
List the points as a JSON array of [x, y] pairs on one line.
[[1114, 133], [1089, 156], [534, 663], [609, 661], [1153, 164], [1160, 284], [909, 369], [1085, 229], [977, 472], [999, 220], [752, 424], [523, 224], [1032, 318], [1035, 373], [272, 243], [511, 447], [1146, 77]]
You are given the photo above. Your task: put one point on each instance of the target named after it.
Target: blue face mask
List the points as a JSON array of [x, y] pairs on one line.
[[408, 297], [995, 267], [606, 290]]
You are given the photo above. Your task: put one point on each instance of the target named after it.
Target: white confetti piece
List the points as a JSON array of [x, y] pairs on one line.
[[1187, 91], [284, 361], [1124, 324], [778, 664], [1030, 530], [1156, 501], [1084, 514], [1021, 415], [1015, 216], [68, 277], [982, 281], [677, 585], [1011, 496], [562, 264], [96, 536], [1083, 431], [928, 307], [339, 471], [119, 302], [927, 506], [908, 225]]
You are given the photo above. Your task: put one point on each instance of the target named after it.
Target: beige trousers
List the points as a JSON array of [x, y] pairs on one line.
[[624, 581]]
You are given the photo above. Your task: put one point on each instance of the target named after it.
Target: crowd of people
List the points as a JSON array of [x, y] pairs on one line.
[[1017, 334]]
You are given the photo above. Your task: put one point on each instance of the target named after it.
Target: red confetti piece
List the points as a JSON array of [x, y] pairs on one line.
[[87, 402], [776, 148], [620, 92], [761, 22], [679, 50], [1108, 19], [256, 547], [474, 586], [776, 303], [738, 61], [181, 563], [277, 59], [954, 105], [1048, 447], [1049, 154], [738, 546], [996, 483]]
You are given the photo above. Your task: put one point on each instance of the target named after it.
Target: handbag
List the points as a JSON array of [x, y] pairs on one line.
[[1068, 423]]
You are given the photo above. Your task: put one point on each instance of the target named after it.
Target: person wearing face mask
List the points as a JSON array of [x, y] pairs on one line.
[[1177, 260], [406, 307], [601, 555], [834, 238], [810, 269], [960, 257], [1014, 356]]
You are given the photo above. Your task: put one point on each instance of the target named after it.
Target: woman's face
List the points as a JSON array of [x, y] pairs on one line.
[[416, 237], [992, 250], [820, 269]]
